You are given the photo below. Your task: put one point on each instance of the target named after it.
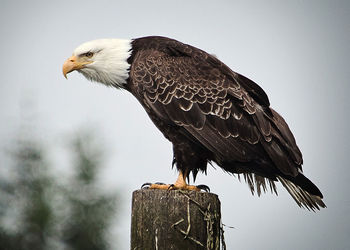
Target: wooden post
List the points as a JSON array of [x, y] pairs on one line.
[[175, 220]]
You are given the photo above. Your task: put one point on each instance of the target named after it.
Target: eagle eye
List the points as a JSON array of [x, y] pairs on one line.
[[88, 54]]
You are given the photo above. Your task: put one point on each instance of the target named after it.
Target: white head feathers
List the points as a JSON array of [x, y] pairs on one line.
[[108, 58]]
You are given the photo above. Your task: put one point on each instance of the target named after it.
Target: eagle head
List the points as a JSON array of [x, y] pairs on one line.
[[103, 60]]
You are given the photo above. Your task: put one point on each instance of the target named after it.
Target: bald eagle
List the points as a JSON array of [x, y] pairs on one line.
[[208, 112]]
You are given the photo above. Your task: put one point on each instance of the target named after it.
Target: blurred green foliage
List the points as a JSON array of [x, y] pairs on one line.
[[39, 210]]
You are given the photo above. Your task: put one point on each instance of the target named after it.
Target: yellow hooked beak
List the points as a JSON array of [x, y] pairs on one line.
[[73, 63]]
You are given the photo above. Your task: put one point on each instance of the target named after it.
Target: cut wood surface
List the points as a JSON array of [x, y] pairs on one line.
[[175, 219]]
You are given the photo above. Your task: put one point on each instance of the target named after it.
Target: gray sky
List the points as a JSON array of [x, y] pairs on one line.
[[297, 51]]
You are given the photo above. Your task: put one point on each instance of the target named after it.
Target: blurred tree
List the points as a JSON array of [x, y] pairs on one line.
[[91, 208], [31, 201], [26, 210]]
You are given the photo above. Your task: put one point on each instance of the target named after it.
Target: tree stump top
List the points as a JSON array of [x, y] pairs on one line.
[[175, 219]]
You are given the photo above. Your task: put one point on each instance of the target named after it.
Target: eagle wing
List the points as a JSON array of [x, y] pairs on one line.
[[216, 107]]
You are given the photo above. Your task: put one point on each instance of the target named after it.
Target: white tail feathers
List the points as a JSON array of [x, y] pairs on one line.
[[302, 197]]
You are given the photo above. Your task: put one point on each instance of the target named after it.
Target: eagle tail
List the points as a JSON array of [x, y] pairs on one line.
[[303, 191], [302, 197], [258, 183]]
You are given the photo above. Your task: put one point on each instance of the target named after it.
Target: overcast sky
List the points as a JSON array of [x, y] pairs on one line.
[[297, 51]]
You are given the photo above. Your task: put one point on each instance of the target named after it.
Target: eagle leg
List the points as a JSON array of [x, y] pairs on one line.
[[180, 183]]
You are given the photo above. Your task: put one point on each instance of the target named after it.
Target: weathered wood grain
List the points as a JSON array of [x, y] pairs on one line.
[[175, 220]]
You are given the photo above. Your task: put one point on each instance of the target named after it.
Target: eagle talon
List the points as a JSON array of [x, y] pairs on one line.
[[146, 185], [204, 187]]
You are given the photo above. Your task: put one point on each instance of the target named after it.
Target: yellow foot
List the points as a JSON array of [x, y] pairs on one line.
[[179, 184], [176, 187]]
